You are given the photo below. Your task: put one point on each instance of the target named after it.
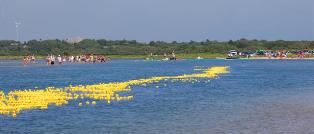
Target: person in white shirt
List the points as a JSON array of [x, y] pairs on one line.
[[59, 59]]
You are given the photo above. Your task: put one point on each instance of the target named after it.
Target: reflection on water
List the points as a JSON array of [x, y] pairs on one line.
[[257, 96]]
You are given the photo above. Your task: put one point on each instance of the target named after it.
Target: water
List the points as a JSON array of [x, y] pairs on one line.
[[257, 96]]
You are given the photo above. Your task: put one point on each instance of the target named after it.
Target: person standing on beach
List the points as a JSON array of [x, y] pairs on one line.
[[92, 58], [33, 59], [64, 59], [71, 58], [59, 59], [48, 60], [53, 59], [25, 60]]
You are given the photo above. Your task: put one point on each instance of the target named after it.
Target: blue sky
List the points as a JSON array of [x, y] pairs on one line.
[[167, 20]]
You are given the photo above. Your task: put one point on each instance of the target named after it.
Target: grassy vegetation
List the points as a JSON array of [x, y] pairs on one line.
[[10, 57], [128, 56], [203, 55], [18, 57], [131, 49], [180, 56]]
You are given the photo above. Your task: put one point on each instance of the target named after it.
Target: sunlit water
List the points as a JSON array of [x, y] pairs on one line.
[[257, 96]]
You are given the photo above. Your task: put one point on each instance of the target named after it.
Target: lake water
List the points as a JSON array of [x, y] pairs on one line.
[[257, 96]]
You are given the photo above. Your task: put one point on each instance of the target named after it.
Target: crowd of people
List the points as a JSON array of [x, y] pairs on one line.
[[279, 54], [284, 54], [52, 59], [29, 59], [90, 58]]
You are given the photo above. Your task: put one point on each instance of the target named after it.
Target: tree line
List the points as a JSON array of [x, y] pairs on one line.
[[133, 47]]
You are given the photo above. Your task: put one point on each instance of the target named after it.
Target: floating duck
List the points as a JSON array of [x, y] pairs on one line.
[[19, 100]]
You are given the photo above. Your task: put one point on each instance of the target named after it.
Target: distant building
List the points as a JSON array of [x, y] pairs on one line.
[[74, 40], [14, 44]]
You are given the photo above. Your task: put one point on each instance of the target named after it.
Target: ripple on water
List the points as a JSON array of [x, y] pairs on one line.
[[257, 96]]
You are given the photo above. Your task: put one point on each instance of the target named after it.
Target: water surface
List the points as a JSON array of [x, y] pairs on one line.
[[257, 96]]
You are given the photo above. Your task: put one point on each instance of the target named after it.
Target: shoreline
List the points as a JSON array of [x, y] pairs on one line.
[[143, 57], [159, 57]]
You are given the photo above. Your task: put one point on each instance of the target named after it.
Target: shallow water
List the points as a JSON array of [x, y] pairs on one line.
[[257, 96]]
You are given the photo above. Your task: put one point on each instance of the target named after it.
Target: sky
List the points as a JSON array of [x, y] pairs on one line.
[[167, 20]]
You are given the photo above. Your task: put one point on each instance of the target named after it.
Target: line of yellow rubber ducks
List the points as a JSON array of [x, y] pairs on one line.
[[16, 101]]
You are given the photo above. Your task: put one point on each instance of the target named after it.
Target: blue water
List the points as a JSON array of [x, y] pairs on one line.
[[257, 96]]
